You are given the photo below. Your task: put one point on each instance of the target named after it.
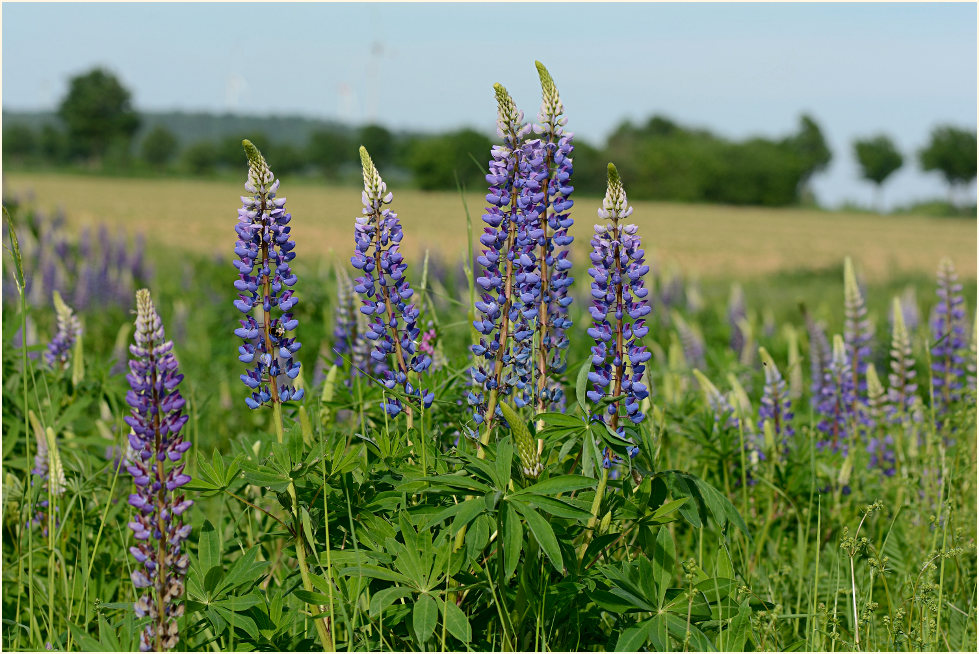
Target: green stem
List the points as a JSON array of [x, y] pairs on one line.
[[596, 506]]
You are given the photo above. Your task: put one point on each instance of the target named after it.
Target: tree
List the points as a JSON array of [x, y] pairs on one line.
[[97, 112], [878, 157], [19, 141], [810, 147], [54, 145], [201, 158], [437, 162], [159, 147], [952, 152], [379, 143], [328, 149]]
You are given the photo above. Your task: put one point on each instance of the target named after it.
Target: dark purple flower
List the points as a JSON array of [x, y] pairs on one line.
[[619, 309], [385, 292], [948, 336], [155, 464], [264, 286]]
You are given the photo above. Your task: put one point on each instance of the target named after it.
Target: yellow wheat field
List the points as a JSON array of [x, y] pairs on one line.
[[704, 240]]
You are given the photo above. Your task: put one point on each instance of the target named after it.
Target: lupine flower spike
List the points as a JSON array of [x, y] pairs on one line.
[[901, 396], [551, 232], [157, 447], [948, 339], [498, 317], [69, 329], [385, 292], [619, 309], [775, 409], [837, 400], [819, 356], [725, 416], [858, 333], [880, 444], [264, 286]]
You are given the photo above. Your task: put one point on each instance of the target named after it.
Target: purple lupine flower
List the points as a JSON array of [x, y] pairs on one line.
[[902, 394], [948, 336], [553, 319], [819, 356], [393, 322], [69, 329], [970, 364], [617, 290], [156, 450], [880, 444], [858, 333], [345, 332], [837, 401], [776, 405], [497, 309], [692, 341], [264, 285]]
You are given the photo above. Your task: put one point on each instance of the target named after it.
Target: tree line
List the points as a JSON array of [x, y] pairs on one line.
[[97, 128]]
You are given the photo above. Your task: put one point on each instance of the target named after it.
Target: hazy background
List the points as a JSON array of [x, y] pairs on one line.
[[738, 70]]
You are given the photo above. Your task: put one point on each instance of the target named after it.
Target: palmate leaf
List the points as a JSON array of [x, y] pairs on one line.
[[706, 501]]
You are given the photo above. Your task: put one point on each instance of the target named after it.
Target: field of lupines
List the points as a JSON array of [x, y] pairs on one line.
[[523, 451]]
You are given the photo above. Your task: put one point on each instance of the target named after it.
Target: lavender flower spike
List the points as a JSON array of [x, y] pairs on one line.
[[901, 395], [858, 333], [618, 293], [837, 401], [393, 322], [69, 329], [880, 444], [154, 462], [776, 404], [264, 285], [948, 338]]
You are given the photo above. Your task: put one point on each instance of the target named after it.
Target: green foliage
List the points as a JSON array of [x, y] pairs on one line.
[[878, 158], [201, 158], [327, 150], [159, 147], [952, 152], [437, 162], [19, 142], [97, 112], [379, 142]]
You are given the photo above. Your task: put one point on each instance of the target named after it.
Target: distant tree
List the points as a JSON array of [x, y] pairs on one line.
[[810, 147], [878, 158], [159, 147], [379, 143], [436, 162], [201, 158], [54, 145], [19, 142], [328, 149], [97, 112], [286, 158], [229, 153], [952, 152]]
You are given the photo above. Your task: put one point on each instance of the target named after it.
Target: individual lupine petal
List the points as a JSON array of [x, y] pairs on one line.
[[837, 402], [156, 448], [948, 351], [858, 333], [69, 328], [264, 252]]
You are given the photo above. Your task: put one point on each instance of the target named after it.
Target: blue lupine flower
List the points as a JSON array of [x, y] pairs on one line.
[[948, 337], [156, 449], [392, 320], [858, 333], [819, 357], [69, 329], [498, 315], [692, 341], [618, 357], [776, 405], [264, 286], [837, 401], [552, 240]]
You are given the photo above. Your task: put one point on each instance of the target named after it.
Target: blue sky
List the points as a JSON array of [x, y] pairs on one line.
[[738, 69]]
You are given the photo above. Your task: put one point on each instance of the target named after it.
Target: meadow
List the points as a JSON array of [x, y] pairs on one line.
[[735, 440]]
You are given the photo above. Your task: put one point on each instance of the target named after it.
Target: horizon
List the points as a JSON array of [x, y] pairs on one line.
[[857, 69]]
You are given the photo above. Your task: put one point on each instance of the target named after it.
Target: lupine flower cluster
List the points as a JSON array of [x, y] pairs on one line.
[[87, 272], [819, 356], [69, 328], [902, 391], [837, 401], [264, 286], [776, 405], [156, 450], [49, 474], [858, 333], [385, 292], [499, 319], [692, 341], [880, 444], [618, 357], [720, 405], [948, 328], [737, 314]]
